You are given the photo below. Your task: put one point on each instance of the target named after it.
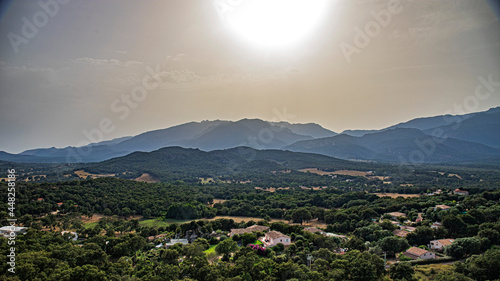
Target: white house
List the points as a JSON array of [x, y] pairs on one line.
[[313, 229], [73, 235], [272, 238], [417, 253], [6, 230], [436, 225], [175, 241], [440, 244]]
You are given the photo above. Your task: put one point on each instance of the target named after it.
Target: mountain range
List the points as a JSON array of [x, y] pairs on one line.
[[438, 139]]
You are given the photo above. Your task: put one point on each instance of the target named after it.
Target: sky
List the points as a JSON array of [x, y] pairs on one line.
[[74, 71]]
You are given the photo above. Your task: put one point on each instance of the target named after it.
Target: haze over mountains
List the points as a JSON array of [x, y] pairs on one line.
[[439, 139]]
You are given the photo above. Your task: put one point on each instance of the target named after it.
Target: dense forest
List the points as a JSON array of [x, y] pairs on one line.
[[121, 246]]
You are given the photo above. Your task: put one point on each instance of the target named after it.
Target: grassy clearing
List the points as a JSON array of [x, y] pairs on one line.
[[160, 223], [429, 271], [396, 195], [90, 224], [210, 250]]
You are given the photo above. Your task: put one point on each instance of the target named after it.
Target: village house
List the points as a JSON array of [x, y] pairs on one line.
[[272, 238], [313, 229], [440, 244], [73, 235], [250, 229], [400, 232], [7, 230], [460, 192], [159, 236], [342, 237], [175, 241], [436, 225], [408, 228], [417, 253]]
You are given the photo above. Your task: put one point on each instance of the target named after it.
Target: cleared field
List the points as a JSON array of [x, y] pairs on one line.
[[339, 172], [272, 189], [220, 201], [91, 222], [206, 180], [83, 175], [430, 271], [158, 223], [396, 195], [146, 178], [316, 171]]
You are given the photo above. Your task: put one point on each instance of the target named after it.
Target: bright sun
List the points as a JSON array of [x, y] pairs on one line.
[[275, 23]]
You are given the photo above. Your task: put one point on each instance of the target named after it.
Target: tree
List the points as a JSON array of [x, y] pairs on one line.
[[356, 243], [421, 236], [301, 215], [463, 247], [481, 267], [402, 271], [247, 238], [226, 247], [393, 244]]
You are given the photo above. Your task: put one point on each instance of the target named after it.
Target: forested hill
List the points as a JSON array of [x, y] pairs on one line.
[[176, 163]]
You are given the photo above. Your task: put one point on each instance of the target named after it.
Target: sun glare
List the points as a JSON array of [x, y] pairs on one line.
[[275, 23]]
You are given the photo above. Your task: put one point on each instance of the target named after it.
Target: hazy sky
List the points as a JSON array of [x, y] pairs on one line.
[[126, 67]]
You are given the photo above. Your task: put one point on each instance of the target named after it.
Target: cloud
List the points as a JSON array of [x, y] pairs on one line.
[[110, 62]]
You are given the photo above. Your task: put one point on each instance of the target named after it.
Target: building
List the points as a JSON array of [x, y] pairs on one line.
[[460, 192], [342, 237], [440, 244], [419, 217], [73, 235], [7, 230], [250, 229], [442, 207], [417, 253], [313, 229], [396, 215], [272, 238], [400, 232], [175, 241], [436, 225], [408, 228]]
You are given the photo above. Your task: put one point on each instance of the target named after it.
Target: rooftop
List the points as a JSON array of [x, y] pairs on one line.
[[276, 234], [445, 242], [416, 251]]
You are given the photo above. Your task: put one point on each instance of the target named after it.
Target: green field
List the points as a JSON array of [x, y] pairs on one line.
[[90, 224], [210, 250], [161, 223]]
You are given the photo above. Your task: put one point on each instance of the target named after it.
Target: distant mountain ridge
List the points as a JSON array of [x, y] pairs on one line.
[[437, 139], [172, 163], [205, 135]]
